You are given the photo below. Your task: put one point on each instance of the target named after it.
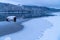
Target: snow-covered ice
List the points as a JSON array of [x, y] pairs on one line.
[[33, 30], [54, 32], [45, 28]]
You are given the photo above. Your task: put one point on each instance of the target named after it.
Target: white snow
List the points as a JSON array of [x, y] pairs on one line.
[[33, 30], [11, 17], [46, 28], [54, 32], [56, 13]]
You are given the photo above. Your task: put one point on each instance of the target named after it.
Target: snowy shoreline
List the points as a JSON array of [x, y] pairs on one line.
[[38, 29]]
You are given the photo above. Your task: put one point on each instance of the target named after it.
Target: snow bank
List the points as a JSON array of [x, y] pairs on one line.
[[54, 32]]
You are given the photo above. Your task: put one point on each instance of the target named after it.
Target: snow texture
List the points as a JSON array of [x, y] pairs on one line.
[[54, 32], [45, 28], [32, 30]]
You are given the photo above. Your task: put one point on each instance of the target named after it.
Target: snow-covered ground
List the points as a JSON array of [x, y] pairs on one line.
[[32, 30], [53, 32], [45, 28]]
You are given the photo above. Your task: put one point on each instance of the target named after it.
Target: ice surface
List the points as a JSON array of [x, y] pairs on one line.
[[45, 28], [54, 32], [33, 30]]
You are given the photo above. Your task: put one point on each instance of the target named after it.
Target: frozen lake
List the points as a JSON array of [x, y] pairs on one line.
[[45, 28], [32, 30]]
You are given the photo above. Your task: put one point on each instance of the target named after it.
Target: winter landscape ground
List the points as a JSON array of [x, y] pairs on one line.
[[44, 28]]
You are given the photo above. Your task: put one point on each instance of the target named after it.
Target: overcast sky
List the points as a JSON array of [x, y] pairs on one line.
[[49, 3]]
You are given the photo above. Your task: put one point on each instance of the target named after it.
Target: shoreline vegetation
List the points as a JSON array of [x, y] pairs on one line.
[[25, 11]]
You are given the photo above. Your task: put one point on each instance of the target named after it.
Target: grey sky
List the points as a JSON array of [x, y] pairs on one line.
[[49, 3]]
